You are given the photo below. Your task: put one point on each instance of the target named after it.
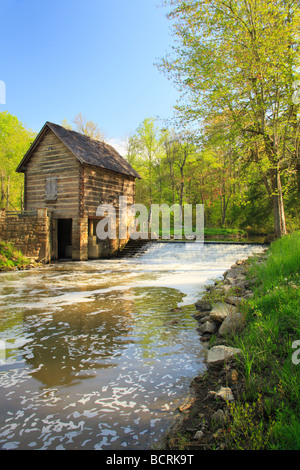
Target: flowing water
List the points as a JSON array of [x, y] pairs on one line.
[[100, 354]]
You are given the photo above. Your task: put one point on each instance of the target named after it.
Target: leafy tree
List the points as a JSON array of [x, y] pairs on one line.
[[241, 58], [180, 150], [15, 140], [171, 148], [144, 148]]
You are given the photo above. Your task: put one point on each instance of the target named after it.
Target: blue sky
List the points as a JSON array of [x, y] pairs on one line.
[[62, 57]]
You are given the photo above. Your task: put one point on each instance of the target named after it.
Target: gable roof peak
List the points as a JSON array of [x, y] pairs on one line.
[[87, 150]]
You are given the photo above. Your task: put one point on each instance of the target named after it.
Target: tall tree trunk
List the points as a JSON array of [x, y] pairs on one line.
[[181, 188], [2, 190], [7, 192], [223, 211], [278, 206]]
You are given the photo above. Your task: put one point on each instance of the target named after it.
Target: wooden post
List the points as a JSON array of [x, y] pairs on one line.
[[44, 227]]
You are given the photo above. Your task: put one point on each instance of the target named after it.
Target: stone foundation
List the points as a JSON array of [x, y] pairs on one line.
[[35, 234], [29, 232]]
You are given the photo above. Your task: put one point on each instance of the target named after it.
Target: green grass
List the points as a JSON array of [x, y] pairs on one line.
[[10, 258], [269, 367], [283, 262], [224, 232], [214, 232]]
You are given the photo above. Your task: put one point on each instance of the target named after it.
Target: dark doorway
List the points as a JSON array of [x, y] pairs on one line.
[[64, 238]]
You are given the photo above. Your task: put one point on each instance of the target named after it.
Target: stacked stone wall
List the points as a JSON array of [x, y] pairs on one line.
[[29, 232]]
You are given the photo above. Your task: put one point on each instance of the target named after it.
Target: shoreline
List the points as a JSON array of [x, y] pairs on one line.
[[25, 267], [202, 417]]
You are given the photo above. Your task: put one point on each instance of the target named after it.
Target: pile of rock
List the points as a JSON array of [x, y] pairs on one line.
[[219, 314], [218, 311]]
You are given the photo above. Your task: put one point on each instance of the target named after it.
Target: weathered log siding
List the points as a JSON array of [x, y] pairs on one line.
[[53, 159], [102, 186]]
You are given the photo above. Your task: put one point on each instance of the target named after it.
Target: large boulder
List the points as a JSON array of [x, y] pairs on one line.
[[235, 272], [234, 300], [207, 327], [220, 311], [233, 322], [203, 305], [218, 355]]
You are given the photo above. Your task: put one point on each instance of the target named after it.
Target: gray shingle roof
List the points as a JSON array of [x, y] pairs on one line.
[[88, 151]]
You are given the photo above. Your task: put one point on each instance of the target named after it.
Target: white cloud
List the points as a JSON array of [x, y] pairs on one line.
[[119, 144]]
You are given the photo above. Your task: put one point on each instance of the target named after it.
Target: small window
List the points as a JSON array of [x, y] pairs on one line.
[[51, 189]]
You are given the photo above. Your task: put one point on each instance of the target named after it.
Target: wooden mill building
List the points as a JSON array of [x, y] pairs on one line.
[[69, 175]]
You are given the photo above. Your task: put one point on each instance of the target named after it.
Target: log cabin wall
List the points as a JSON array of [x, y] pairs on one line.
[[53, 164], [101, 186], [52, 159]]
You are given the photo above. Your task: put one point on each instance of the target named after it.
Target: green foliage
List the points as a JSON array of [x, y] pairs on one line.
[[247, 429], [15, 140], [175, 169], [236, 63], [224, 231], [273, 324], [286, 431], [11, 258], [162, 158], [282, 264]]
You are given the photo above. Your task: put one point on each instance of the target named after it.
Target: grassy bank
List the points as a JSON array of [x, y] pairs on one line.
[[224, 232], [267, 412], [10, 258], [215, 233], [265, 377]]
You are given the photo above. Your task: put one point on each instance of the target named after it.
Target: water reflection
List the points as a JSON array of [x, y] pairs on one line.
[[70, 345]]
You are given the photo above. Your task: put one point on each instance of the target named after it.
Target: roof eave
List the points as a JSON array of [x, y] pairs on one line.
[[48, 125]]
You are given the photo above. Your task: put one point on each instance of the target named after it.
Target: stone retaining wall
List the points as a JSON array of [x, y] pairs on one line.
[[29, 232]]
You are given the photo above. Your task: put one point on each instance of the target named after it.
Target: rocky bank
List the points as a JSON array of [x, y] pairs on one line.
[[204, 416]]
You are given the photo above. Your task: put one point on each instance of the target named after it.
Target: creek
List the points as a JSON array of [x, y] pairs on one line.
[[98, 355]]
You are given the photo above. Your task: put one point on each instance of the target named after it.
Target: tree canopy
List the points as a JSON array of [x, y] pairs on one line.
[[236, 62], [15, 140]]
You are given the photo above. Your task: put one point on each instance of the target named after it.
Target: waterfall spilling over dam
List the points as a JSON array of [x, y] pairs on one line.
[[100, 354]]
